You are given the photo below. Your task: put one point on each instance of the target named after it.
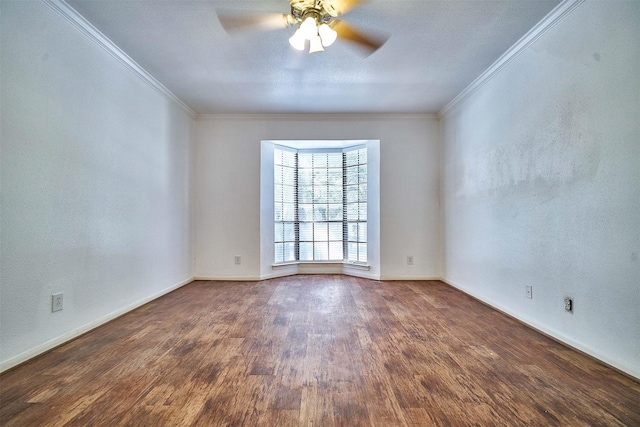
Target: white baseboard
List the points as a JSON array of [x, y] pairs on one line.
[[360, 273], [292, 269], [230, 278], [42, 348], [283, 272], [417, 278], [553, 334]]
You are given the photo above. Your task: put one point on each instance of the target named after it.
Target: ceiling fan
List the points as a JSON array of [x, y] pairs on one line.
[[315, 20]]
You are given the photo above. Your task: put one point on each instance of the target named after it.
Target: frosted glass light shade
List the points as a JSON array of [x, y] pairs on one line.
[[316, 45], [309, 28], [297, 40], [327, 34]]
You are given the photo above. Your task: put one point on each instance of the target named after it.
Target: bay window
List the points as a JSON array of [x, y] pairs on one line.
[[320, 205]]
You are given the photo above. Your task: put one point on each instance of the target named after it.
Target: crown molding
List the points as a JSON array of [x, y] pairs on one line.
[[92, 33], [555, 16], [333, 117]]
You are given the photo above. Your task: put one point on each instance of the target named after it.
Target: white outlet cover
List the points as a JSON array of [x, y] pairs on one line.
[[57, 301], [529, 292]]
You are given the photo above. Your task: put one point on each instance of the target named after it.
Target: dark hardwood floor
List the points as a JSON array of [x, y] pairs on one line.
[[316, 351]]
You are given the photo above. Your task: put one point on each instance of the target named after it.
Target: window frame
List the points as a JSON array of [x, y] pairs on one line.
[[361, 241]]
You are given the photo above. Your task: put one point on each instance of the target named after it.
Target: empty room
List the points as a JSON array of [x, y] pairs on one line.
[[320, 213]]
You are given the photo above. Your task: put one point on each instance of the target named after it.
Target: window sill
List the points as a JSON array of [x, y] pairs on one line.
[[346, 265]]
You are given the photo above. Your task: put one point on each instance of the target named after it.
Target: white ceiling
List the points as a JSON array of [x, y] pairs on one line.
[[435, 49]]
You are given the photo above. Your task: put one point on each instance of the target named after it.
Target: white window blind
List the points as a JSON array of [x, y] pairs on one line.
[[320, 205], [285, 195], [355, 172]]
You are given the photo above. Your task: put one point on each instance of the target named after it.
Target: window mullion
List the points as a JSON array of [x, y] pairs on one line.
[[295, 204], [345, 224], [327, 213]]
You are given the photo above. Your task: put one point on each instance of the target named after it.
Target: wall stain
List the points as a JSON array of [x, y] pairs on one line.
[[562, 153]]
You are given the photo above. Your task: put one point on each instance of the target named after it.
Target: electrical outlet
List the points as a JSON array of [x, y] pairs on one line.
[[410, 260], [238, 259], [56, 302], [568, 304], [529, 291]]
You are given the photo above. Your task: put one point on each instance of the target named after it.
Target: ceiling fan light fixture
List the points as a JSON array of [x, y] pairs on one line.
[[297, 41], [315, 45], [327, 35], [313, 20]]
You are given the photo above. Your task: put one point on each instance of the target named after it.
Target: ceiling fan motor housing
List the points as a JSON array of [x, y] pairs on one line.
[[320, 10]]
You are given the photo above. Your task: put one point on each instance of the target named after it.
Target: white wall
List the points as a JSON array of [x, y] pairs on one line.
[[541, 172], [228, 188], [95, 184]]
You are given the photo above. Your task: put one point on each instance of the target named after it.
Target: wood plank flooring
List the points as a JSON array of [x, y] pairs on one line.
[[316, 351]]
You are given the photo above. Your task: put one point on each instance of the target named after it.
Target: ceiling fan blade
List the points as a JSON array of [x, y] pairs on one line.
[[369, 43], [257, 21], [340, 7]]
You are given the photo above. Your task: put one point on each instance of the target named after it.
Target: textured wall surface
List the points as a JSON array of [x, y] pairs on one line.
[[95, 182], [541, 184], [228, 188]]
